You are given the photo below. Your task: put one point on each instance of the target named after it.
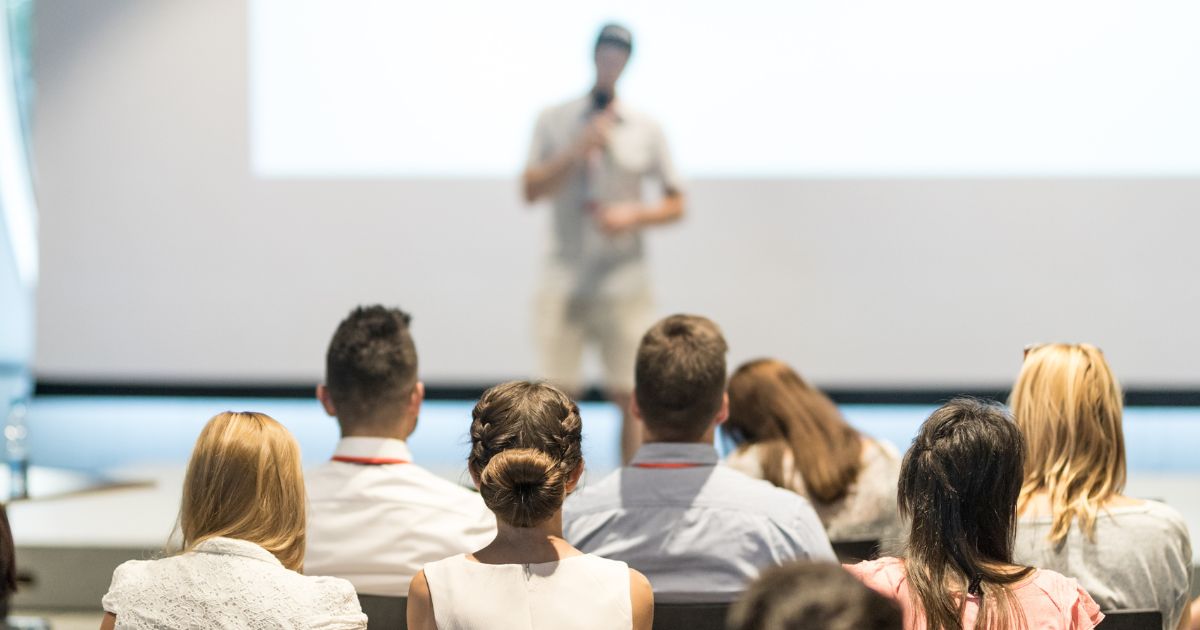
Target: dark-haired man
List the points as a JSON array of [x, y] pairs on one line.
[[375, 517], [697, 529], [591, 157]]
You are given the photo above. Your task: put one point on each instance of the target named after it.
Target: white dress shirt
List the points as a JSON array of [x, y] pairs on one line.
[[697, 529], [376, 524], [228, 584]]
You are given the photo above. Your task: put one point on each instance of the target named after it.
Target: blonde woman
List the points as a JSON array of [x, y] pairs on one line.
[[791, 434], [242, 523], [1127, 553]]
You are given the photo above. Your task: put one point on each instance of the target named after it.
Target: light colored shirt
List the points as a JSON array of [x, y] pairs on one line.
[[575, 593], [868, 511], [698, 530], [229, 584], [377, 525], [1140, 558], [583, 259], [1048, 600]]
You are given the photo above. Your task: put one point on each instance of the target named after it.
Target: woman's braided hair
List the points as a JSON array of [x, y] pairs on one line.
[[525, 442]]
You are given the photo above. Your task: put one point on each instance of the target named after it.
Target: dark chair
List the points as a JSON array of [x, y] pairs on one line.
[[385, 612], [852, 551], [1132, 620], [690, 616]]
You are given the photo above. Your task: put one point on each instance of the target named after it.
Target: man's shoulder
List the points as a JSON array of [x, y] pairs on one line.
[[406, 483]]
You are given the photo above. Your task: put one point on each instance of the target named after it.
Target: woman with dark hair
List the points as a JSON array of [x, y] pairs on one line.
[[8, 564], [791, 434], [526, 458], [959, 484]]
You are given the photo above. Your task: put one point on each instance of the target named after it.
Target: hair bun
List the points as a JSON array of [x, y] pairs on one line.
[[523, 486]]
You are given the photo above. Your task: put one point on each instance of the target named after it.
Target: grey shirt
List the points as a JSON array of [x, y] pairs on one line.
[[583, 259], [1140, 558], [697, 529]]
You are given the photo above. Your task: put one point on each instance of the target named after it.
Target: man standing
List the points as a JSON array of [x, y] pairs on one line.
[[590, 157]]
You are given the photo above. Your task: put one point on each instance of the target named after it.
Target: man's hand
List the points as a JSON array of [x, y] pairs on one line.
[[595, 133], [617, 218]]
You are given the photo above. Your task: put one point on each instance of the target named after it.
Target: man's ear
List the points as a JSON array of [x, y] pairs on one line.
[[634, 410], [415, 398], [723, 413], [326, 399]]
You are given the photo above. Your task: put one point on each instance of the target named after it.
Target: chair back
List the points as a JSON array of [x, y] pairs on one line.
[[1132, 620], [681, 616], [385, 611], [852, 551]]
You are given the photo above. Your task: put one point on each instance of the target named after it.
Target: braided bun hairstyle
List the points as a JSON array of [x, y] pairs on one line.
[[526, 440]]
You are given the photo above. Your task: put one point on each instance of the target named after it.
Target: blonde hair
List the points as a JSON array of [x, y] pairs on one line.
[[1067, 403], [245, 481]]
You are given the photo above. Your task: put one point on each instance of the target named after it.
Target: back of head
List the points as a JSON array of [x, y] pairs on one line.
[[526, 441], [245, 481], [371, 365], [771, 406], [680, 377], [806, 596], [959, 484], [1067, 403]]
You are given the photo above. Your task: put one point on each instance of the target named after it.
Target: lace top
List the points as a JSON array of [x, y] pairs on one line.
[[227, 583]]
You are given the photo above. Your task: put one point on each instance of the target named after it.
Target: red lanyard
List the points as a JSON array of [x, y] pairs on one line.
[[668, 465], [368, 461]]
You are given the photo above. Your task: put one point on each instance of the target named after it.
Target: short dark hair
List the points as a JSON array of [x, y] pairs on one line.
[[680, 376], [371, 363], [615, 35], [812, 596]]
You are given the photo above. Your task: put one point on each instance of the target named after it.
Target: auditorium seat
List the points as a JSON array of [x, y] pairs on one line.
[[707, 616], [1132, 620], [853, 551], [386, 612]]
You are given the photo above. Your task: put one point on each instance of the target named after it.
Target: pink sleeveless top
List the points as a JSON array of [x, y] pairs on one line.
[[1048, 600]]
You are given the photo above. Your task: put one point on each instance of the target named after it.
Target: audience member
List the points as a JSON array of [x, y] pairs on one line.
[[1127, 553], [792, 435], [242, 524], [959, 484], [375, 516], [525, 458], [698, 530], [812, 596], [8, 564]]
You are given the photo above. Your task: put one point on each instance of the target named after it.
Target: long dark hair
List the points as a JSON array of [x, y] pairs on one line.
[[959, 485], [771, 406]]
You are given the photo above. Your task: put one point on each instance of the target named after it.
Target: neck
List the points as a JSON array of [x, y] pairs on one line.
[[389, 428], [650, 437], [524, 545]]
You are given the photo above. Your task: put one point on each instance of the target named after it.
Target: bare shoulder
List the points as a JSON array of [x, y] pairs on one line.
[[641, 598]]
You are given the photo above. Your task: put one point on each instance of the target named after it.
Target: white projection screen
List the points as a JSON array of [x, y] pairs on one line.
[[884, 194]]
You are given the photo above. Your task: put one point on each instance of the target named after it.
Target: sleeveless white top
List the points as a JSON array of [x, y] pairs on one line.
[[582, 592]]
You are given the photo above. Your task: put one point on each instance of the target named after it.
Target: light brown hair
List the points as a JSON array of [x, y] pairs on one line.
[[680, 376], [526, 442], [1068, 405], [772, 407], [245, 481]]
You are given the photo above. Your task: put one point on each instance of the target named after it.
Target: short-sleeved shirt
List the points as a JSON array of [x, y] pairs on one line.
[[377, 525], [1140, 557], [583, 259], [697, 529], [228, 584], [1048, 600]]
